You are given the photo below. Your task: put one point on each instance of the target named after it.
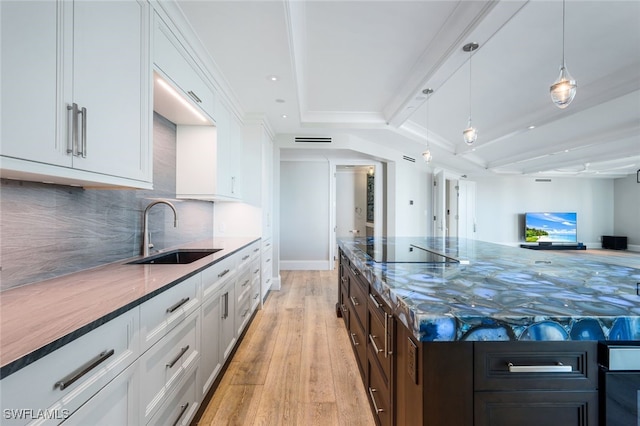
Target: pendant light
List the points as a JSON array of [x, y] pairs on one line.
[[470, 134], [563, 90], [426, 155]]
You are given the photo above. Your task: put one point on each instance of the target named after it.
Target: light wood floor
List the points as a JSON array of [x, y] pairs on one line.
[[295, 365]]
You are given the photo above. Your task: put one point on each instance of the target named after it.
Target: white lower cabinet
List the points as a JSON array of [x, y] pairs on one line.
[[116, 404], [164, 365], [52, 388], [227, 320], [181, 405], [151, 365]]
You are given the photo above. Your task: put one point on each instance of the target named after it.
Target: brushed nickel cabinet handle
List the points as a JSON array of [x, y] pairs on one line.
[[245, 283], [373, 399], [355, 271], [194, 96], [72, 123], [183, 409], [375, 302], [353, 339], [172, 308], [84, 369], [83, 150], [171, 363], [354, 301], [223, 273], [373, 342], [558, 368]]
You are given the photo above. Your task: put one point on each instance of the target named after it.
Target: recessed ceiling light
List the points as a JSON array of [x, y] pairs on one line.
[[531, 127], [272, 78], [280, 101], [284, 115]]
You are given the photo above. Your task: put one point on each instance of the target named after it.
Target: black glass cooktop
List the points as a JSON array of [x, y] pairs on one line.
[[403, 253]]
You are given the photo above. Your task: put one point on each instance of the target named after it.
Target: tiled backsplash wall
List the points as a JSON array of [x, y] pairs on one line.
[[51, 230]]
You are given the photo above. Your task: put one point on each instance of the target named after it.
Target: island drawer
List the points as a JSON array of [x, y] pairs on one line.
[[557, 365], [359, 342], [358, 297], [379, 395], [380, 340]]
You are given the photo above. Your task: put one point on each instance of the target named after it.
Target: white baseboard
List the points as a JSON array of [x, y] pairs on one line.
[[305, 265]]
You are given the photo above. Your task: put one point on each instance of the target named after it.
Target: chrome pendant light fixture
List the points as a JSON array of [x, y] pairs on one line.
[[563, 90], [470, 134], [426, 155]]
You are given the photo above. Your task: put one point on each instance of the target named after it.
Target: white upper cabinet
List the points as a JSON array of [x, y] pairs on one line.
[[208, 159], [76, 93], [178, 68]]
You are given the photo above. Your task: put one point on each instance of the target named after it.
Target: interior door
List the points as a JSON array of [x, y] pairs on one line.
[[439, 204], [466, 209]]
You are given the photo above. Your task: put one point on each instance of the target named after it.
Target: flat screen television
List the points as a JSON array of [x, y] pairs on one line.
[[551, 227]]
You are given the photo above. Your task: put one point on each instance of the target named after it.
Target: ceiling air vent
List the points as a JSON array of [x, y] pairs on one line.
[[312, 139], [543, 180], [411, 159]]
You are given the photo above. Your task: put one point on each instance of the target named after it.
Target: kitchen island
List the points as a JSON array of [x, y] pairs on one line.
[[445, 329]]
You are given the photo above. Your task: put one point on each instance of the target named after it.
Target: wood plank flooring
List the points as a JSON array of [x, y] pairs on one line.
[[295, 365]]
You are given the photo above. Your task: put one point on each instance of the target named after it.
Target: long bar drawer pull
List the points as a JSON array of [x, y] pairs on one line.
[[373, 342], [246, 257], [172, 308], [559, 368], [354, 301], [373, 399], [183, 409], [375, 302], [223, 273], [353, 339], [355, 271], [171, 363], [73, 377], [194, 96]]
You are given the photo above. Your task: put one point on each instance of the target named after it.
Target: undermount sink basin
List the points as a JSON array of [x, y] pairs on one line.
[[175, 257]]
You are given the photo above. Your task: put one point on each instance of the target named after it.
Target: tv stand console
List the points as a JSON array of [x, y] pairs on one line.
[[554, 246]]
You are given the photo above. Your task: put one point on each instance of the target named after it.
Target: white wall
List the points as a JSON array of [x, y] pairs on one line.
[[304, 215], [233, 219], [411, 184], [626, 221], [501, 201]]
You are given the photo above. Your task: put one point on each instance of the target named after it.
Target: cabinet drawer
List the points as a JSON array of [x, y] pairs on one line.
[[214, 277], [358, 299], [66, 378], [535, 408], [255, 292], [379, 396], [243, 287], [163, 312], [165, 364], [566, 365], [243, 313], [379, 341], [181, 406], [359, 342]]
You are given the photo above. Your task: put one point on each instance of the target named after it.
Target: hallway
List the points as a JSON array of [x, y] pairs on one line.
[[295, 365]]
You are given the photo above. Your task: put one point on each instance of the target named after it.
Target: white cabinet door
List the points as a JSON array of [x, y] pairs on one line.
[[210, 361], [29, 73], [91, 55], [116, 404], [227, 325], [235, 156], [171, 59], [111, 79]]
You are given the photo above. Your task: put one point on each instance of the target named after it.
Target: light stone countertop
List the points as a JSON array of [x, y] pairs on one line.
[[37, 318]]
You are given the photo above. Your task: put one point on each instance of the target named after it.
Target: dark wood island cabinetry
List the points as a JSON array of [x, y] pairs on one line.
[[462, 382]]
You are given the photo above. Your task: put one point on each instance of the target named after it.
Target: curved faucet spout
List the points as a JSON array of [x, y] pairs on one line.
[[146, 244]]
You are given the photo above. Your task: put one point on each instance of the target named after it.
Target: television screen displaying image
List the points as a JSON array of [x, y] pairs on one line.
[[551, 228]]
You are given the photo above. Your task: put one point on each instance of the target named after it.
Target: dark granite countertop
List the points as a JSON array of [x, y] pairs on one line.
[[497, 292], [38, 318]]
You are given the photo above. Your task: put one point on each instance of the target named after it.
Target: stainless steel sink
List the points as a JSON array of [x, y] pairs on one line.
[[175, 257]]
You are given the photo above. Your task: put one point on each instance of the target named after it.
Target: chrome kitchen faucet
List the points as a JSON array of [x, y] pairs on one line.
[[146, 244]]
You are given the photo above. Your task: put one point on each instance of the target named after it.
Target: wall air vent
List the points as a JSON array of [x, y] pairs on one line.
[[543, 180], [411, 159], [312, 139]]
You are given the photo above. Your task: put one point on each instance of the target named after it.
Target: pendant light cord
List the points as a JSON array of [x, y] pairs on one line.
[[470, 53], [563, 8]]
